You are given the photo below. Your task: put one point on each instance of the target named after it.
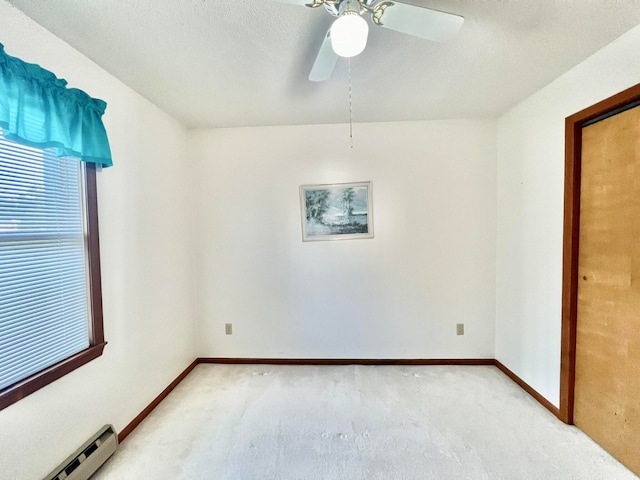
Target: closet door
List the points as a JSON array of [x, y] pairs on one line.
[[607, 383]]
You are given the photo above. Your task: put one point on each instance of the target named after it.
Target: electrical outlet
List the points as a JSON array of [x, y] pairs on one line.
[[228, 328], [460, 329]]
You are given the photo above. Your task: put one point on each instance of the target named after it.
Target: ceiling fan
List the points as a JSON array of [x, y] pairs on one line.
[[347, 36]]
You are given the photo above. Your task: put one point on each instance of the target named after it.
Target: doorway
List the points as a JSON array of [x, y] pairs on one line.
[[600, 373]]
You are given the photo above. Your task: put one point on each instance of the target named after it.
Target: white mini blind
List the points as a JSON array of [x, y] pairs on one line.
[[43, 269]]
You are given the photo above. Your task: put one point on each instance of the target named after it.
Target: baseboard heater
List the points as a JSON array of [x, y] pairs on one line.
[[88, 458]]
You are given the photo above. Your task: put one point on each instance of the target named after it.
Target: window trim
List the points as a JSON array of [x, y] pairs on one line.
[[35, 382]]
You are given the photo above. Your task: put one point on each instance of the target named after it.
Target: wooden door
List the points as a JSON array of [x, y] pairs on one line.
[[607, 368]]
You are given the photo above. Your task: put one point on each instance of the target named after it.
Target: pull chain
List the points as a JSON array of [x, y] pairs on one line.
[[350, 104]]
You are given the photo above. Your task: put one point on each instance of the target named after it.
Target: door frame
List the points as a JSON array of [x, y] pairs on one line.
[[572, 175]]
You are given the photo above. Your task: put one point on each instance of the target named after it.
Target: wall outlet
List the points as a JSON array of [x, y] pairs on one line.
[[460, 329], [228, 328]]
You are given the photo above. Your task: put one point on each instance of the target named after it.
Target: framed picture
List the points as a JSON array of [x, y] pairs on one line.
[[338, 211]]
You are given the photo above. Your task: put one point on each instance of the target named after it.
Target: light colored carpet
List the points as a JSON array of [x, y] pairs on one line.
[[249, 422]]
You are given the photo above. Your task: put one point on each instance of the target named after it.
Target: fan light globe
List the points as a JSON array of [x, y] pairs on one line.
[[349, 34]]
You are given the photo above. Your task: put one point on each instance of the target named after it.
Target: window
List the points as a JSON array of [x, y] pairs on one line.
[[51, 139], [50, 292]]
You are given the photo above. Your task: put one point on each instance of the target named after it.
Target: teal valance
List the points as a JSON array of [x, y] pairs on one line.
[[37, 109]]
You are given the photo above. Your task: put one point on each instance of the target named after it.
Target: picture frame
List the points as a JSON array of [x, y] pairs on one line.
[[336, 211]]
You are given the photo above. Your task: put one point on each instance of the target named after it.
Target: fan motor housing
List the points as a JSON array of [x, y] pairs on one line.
[[338, 7]]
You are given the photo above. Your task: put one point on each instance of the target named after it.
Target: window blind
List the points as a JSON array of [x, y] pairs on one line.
[[43, 270]]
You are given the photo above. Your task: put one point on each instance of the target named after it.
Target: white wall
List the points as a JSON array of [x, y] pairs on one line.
[[148, 314], [530, 210], [399, 295]]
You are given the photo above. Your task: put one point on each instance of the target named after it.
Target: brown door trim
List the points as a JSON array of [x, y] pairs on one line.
[[572, 169]]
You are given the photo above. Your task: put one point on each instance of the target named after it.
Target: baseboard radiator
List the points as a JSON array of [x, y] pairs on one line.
[[88, 458]]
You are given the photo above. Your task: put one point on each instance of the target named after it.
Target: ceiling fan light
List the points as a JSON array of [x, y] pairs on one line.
[[349, 34]]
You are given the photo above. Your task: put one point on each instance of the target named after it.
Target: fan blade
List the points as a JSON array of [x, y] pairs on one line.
[[417, 21], [296, 2], [325, 61]]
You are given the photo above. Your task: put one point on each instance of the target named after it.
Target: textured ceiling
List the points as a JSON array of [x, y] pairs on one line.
[[224, 63]]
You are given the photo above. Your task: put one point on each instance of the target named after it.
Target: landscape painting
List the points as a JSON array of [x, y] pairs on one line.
[[339, 211]]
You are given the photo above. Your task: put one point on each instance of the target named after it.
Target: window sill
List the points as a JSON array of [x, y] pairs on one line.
[[18, 391]]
